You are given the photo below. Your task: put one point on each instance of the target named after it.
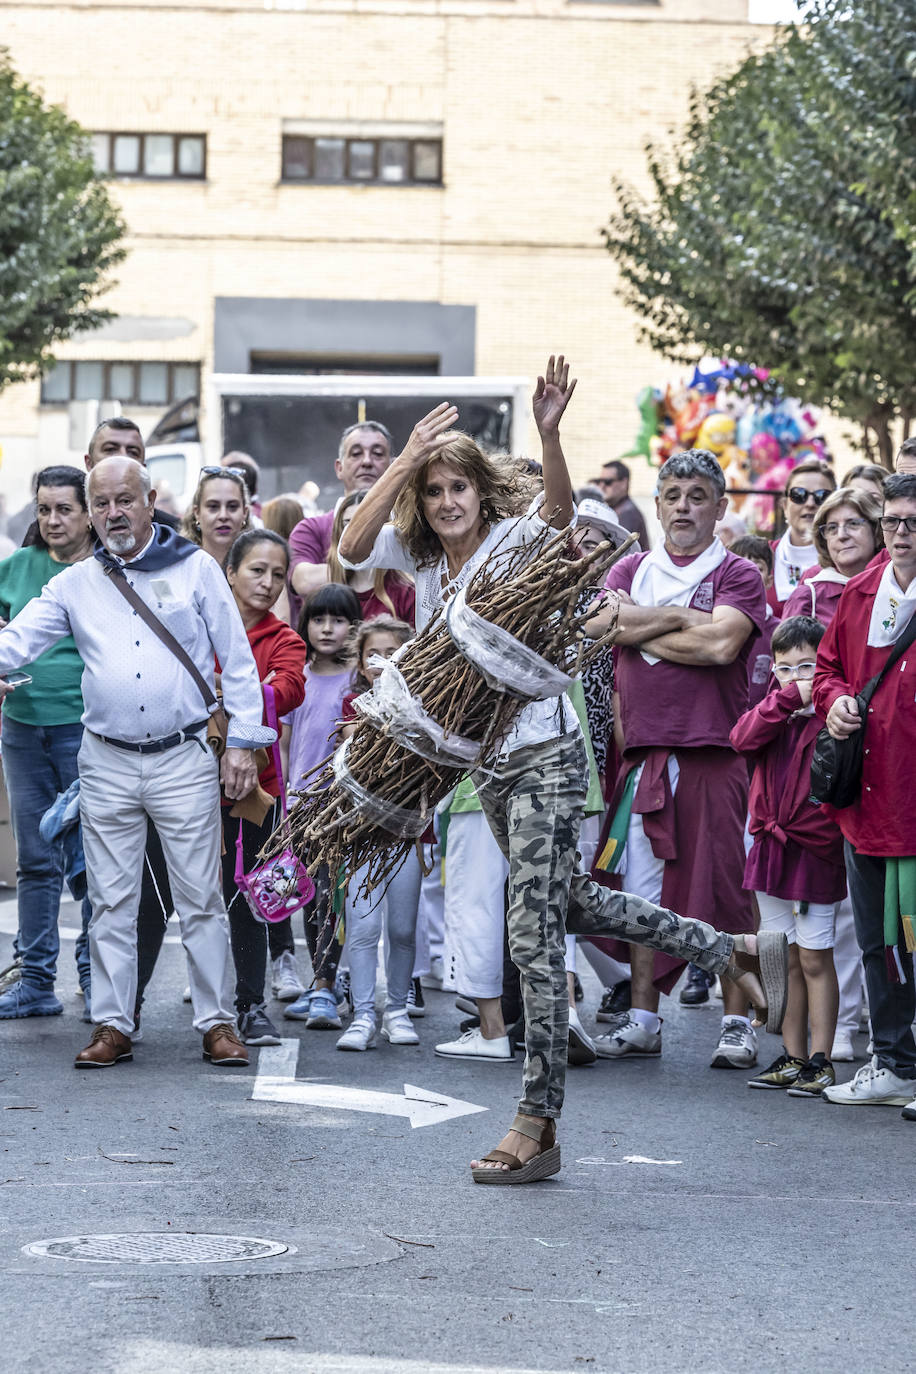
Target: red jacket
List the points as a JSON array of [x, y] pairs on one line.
[[779, 801], [882, 822], [279, 650]]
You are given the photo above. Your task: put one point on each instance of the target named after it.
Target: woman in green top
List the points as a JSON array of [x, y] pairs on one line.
[[39, 743]]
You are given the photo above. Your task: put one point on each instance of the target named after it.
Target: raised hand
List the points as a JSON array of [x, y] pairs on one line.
[[428, 434], [552, 395]]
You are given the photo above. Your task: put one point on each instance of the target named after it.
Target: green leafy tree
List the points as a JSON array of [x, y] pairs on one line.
[[782, 230], [59, 232]]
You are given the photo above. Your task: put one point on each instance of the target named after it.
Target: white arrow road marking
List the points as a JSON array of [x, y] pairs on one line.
[[276, 1082]]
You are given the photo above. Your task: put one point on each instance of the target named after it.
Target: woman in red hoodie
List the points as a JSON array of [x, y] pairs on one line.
[[256, 569]]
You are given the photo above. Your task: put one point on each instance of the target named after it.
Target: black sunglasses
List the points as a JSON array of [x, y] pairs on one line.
[[799, 495]]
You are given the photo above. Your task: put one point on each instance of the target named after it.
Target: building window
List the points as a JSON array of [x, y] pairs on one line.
[[362, 160], [156, 157], [139, 384]]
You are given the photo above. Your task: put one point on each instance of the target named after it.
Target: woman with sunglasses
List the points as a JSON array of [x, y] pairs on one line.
[[220, 509], [846, 537], [808, 487]]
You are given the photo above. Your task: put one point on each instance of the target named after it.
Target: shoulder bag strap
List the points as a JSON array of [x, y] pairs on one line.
[[119, 580], [899, 649], [270, 704]]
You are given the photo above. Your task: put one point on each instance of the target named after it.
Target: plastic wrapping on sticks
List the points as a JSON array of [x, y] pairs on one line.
[[391, 707], [396, 820], [505, 662]]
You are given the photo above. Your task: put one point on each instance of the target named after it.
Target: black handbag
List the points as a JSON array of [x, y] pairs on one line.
[[836, 764]]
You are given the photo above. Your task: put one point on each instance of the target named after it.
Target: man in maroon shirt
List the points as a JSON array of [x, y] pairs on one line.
[[880, 826], [363, 455], [688, 614]]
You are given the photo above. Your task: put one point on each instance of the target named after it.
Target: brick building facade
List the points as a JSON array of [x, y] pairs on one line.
[[305, 171]]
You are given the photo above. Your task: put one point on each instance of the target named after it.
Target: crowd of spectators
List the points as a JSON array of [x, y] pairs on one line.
[[136, 653]]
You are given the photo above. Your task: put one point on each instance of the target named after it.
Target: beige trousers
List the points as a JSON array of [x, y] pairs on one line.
[[179, 791]]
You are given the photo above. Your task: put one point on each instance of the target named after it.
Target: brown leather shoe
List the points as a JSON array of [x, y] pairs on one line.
[[222, 1046], [107, 1046]]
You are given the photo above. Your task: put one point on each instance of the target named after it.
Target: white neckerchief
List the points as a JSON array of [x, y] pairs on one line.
[[892, 609], [789, 562], [660, 582]]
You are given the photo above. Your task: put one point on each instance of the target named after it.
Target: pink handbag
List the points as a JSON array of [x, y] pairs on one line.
[[280, 886]]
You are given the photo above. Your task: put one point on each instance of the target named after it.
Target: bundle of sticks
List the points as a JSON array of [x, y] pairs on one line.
[[366, 806]]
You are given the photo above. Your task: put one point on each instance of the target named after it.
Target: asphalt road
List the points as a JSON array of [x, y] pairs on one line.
[[695, 1226]]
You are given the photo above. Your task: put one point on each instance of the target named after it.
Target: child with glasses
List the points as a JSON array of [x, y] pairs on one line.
[[795, 865]]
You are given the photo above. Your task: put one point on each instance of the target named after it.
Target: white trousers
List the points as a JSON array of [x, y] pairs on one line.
[[431, 913], [644, 872], [179, 792], [847, 958], [475, 905]]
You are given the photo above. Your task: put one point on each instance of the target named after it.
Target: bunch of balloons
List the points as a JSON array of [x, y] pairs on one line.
[[757, 433]]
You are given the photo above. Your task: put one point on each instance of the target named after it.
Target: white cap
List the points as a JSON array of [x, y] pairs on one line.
[[600, 514]]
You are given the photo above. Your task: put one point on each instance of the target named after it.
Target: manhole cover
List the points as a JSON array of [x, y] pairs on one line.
[[158, 1247]]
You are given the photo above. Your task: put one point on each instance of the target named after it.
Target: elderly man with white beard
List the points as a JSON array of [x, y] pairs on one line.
[[144, 753]]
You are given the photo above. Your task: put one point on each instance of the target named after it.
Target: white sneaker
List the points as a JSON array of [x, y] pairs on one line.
[[397, 1029], [472, 1045], [873, 1086], [737, 1047], [287, 985], [581, 1048], [843, 1051], [436, 976], [186, 995], [630, 1040], [359, 1036]]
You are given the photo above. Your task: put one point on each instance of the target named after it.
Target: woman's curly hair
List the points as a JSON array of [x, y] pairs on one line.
[[503, 484]]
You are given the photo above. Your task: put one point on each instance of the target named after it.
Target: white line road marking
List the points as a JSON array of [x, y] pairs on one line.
[[9, 925], [276, 1082], [627, 1159]]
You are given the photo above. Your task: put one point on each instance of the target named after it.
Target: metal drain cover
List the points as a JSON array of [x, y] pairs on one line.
[[158, 1247]]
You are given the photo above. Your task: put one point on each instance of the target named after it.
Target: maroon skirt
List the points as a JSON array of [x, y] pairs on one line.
[[699, 832]]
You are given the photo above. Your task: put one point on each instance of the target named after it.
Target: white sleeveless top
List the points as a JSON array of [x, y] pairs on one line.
[[539, 720]]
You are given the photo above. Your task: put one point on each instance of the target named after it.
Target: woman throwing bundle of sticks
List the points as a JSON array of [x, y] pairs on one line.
[[452, 505]]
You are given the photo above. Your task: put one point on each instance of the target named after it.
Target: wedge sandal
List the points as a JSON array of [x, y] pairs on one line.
[[772, 960], [542, 1165]]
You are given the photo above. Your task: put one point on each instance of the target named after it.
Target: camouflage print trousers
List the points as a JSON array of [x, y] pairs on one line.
[[533, 803]]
